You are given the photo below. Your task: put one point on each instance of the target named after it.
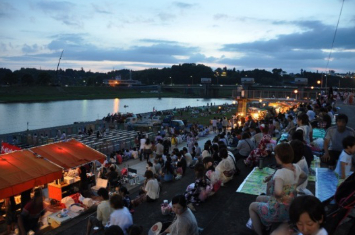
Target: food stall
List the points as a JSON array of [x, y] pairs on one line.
[[68, 155], [48, 165], [22, 170]]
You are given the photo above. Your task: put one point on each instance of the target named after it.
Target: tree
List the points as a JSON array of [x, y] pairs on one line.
[[44, 78], [27, 79], [10, 78]]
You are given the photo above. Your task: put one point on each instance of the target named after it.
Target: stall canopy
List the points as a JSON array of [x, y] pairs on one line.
[[22, 170], [69, 154]]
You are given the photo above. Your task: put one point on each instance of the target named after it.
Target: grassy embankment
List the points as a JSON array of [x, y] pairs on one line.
[[48, 93], [206, 119]]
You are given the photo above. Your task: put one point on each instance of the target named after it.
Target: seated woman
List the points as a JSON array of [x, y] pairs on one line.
[[198, 192], [307, 215], [275, 208], [226, 167], [185, 221], [303, 124], [168, 170], [151, 187], [211, 173], [262, 149], [245, 146]]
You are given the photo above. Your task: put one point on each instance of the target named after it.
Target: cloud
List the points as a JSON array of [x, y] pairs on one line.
[[61, 11], [55, 6], [316, 36], [157, 41], [30, 49], [6, 9], [220, 16], [76, 48], [183, 5], [166, 17], [309, 48], [100, 9]]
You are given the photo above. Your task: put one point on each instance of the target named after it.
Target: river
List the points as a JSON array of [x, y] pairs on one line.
[[16, 116]]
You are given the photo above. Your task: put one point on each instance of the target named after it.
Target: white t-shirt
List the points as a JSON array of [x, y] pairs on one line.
[[214, 122], [152, 188], [288, 176], [344, 157], [121, 217]]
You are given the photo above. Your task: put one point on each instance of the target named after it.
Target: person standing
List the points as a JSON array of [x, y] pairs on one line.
[[159, 149], [31, 213], [333, 140]]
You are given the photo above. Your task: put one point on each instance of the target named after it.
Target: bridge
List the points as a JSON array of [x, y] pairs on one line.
[[202, 90], [299, 93]]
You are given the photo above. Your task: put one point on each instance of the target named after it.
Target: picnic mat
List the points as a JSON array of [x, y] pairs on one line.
[[253, 184], [326, 183], [318, 133]]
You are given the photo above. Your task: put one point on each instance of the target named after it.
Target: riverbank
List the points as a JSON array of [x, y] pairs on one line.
[[51, 93]]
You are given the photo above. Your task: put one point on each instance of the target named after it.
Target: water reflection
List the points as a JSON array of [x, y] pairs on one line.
[[14, 116], [116, 105]]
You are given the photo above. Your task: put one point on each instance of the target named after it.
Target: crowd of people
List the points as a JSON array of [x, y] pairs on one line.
[[287, 200]]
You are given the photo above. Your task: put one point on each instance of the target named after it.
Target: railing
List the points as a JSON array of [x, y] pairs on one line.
[[273, 94]]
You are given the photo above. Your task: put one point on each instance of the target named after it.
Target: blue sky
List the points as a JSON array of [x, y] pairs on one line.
[[137, 34]]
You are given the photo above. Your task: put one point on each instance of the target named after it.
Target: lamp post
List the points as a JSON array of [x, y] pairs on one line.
[[296, 91], [192, 79], [171, 81]]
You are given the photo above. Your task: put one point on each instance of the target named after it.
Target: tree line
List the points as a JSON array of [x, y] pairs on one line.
[[188, 73]]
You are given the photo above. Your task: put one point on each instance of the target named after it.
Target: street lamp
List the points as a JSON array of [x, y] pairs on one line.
[[171, 81], [296, 91], [192, 79]]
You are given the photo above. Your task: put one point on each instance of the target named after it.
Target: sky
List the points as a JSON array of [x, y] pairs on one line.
[[115, 34]]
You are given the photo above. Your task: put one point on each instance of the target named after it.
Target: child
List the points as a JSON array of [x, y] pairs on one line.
[[196, 192], [125, 197], [344, 162], [307, 214], [179, 171], [275, 208]]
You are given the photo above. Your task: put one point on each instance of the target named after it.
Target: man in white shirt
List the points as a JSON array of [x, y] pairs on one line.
[[121, 215]]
